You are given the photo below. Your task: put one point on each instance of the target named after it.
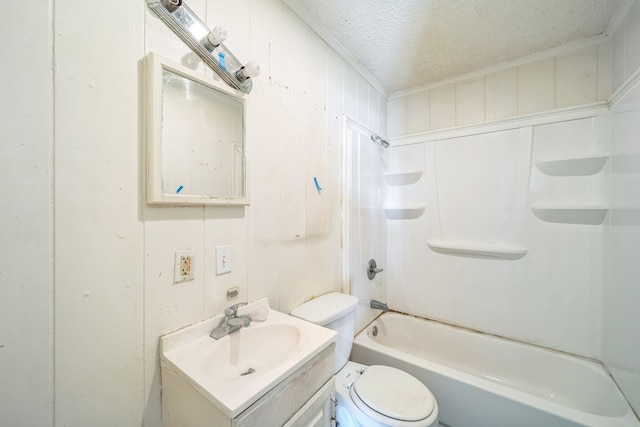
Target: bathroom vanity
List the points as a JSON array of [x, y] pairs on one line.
[[275, 372]]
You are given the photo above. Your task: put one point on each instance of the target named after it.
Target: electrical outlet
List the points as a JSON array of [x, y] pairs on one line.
[[183, 266], [224, 259]]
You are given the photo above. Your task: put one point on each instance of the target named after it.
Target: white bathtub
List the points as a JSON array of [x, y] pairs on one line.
[[480, 380]]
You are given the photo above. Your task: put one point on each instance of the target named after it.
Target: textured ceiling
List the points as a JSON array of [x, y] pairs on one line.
[[411, 43]]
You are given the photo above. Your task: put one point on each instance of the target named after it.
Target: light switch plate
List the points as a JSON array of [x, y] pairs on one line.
[[183, 266], [224, 259]]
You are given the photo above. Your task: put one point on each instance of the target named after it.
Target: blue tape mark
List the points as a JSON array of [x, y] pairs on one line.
[[315, 181], [222, 61], [179, 189]]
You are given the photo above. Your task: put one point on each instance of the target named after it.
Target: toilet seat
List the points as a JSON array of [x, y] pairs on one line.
[[390, 395]]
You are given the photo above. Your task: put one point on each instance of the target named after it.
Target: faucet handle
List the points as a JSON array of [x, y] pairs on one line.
[[373, 269], [232, 310]]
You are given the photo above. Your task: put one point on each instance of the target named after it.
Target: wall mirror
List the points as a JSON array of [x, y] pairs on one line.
[[195, 138]]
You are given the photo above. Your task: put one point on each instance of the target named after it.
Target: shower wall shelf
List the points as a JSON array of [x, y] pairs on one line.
[[573, 166], [403, 212], [402, 178], [491, 251], [593, 214]]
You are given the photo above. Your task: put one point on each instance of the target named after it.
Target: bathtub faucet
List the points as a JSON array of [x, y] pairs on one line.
[[379, 305]]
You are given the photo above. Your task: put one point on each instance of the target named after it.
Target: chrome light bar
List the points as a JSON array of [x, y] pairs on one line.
[[205, 43]]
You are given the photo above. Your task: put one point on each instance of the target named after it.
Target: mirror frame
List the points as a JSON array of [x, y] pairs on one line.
[[154, 66]]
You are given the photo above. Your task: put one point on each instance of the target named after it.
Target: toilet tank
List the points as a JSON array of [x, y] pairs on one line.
[[336, 311]]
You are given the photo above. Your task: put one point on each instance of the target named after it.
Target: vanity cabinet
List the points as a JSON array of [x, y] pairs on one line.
[[318, 411], [303, 399]]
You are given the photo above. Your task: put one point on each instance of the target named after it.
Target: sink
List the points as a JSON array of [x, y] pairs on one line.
[[253, 351], [236, 370]]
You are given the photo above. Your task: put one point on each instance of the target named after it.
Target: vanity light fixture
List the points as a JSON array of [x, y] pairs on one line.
[[207, 44]]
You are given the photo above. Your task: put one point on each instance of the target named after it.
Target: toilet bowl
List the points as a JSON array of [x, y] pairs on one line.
[[382, 396], [368, 396]]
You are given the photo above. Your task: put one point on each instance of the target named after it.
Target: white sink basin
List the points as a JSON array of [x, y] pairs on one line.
[[253, 351], [236, 370]]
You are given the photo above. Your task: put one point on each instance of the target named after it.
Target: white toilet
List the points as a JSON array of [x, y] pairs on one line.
[[368, 396]]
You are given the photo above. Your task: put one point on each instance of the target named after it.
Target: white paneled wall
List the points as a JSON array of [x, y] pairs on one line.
[[442, 108], [577, 287], [287, 243], [536, 86], [26, 217], [501, 98], [87, 279], [626, 55], [622, 291], [478, 190], [469, 102], [98, 300], [576, 77], [366, 223], [622, 297]]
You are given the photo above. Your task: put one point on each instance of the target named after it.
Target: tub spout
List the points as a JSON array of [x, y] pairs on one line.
[[379, 305]]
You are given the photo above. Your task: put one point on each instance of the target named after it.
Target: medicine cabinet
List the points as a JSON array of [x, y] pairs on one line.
[[195, 138]]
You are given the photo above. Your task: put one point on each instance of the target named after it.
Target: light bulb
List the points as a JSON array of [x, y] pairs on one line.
[[217, 36], [251, 69], [172, 5]]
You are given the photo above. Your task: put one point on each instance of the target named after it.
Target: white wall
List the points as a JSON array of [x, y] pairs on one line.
[[552, 80], [625, 52], [287, 244], [480, 139], [622, 291], [366, 225], [622, 295], [86, 278], [26, 217], [98, 298], [478, 190], [86, 265], [577, 287]]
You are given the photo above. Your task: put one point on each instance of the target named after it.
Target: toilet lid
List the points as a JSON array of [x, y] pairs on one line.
[[393, 393]]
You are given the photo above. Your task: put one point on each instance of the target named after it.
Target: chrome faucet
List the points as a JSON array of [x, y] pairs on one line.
[[232, 322], [372, 269], [379, 305]]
